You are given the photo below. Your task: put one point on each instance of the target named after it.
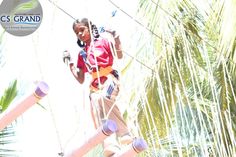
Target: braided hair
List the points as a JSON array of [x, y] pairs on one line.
[[87, 23]]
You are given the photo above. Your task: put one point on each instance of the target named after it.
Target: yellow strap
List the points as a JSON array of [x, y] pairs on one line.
[[37, 97], [102, 72]]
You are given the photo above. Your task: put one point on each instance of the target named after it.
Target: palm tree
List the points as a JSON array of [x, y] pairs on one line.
[[184, 105]]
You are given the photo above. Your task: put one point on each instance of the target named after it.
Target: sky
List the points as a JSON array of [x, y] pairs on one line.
[[64, 123]]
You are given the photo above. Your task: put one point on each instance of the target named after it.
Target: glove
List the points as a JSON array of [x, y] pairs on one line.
[[66, 57]]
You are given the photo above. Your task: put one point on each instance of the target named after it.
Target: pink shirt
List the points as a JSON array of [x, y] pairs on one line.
[[101, 49]]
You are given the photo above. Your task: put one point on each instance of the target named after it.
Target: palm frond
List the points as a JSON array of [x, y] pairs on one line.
[[7, 138], [7, 135], [8, 96], [191, 92]]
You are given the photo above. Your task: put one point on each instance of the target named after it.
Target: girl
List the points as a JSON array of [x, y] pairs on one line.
[[96, 58]]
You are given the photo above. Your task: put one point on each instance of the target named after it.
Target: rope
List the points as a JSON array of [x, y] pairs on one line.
[[153, 33], [160, 38], [91, 48], [49, 102], [58, 7], [138, 22], [142, 25], [113, 14]]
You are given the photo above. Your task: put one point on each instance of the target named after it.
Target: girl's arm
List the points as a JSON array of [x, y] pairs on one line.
[[78, 74], [118, 47], [117, 44]]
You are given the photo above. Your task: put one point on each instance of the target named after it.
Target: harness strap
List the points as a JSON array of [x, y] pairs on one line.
[[102, 72], [84, 56], [94, 87]]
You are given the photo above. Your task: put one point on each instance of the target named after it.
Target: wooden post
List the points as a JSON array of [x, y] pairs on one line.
[[137, 146], [108, 128], [15, 110]]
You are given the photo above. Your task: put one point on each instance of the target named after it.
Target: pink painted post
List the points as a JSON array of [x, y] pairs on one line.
[[108, 128], [137, 146], [12, 112]]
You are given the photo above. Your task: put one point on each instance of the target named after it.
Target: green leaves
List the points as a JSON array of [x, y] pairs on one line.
[[8, 96], [7, 135], [186, 104]]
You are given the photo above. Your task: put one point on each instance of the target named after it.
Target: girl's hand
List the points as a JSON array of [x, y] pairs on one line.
[[113, 33]]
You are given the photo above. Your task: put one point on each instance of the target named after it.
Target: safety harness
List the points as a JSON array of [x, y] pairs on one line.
[[102, 72]]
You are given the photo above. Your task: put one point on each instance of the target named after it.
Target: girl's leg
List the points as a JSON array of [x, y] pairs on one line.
[[105, 103], [113, 113]]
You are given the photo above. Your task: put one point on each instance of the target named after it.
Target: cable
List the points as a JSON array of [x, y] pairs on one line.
[[143, 64], [154, 32], [113, 16], [49, 102], [134, 19], [62, 10], [137, 23]]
